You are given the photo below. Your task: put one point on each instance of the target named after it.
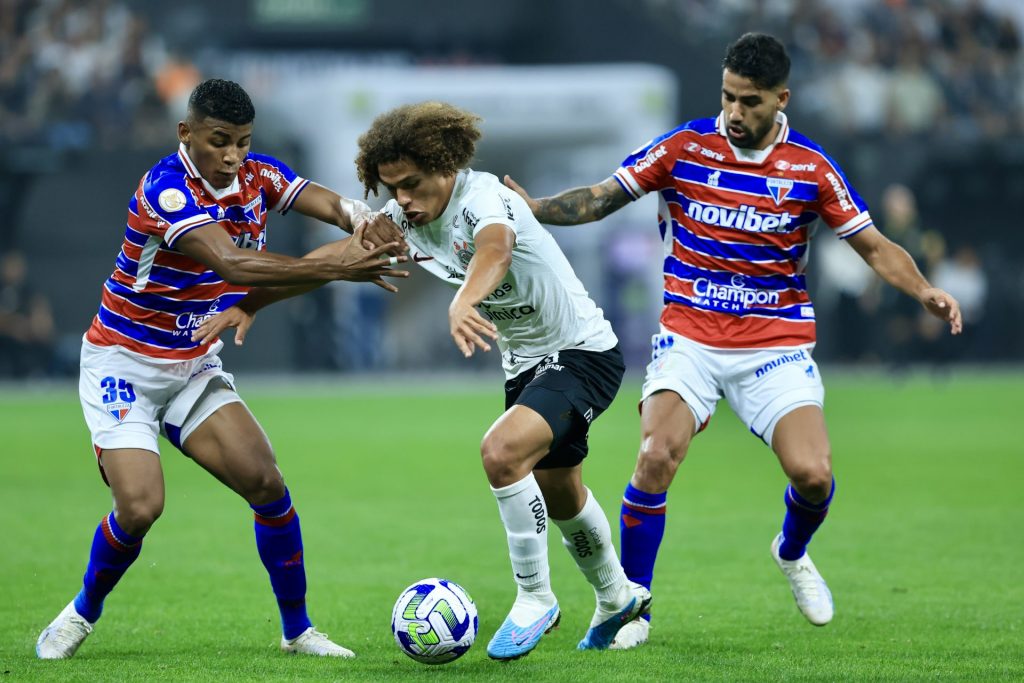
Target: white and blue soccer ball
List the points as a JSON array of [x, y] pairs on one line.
[[434, 621]]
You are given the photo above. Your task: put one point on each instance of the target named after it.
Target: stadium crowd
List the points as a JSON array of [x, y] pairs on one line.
[[80, 75], [887, 67]]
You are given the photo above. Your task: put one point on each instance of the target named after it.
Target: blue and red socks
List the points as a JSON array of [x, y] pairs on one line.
[[802, 519], [113, 551], [279, 542], [641, 528]]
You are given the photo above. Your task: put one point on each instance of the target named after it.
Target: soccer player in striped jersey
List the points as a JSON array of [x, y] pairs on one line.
[[740, 195], [194, 244]]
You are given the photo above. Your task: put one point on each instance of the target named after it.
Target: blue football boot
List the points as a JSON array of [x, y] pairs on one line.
[[606, 624], [513, 641]]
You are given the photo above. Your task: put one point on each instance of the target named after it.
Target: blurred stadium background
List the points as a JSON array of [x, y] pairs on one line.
[[921, 101]]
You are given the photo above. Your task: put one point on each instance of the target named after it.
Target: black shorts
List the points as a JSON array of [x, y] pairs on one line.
[[569, 389]]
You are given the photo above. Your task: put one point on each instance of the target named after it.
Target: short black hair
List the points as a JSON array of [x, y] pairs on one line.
[[222, 100], [759, 57]]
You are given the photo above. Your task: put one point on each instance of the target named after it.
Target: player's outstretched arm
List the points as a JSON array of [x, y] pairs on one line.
[[345, 259], [242, 315], [328, 206], [575, 206], [490, 262], [897, 267]]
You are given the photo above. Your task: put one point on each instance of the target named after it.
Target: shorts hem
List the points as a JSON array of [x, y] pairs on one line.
[[691, 399], [781, 411], [123, 441]]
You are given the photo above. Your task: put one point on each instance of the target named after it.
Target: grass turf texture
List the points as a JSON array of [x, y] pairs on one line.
[[923, 549]]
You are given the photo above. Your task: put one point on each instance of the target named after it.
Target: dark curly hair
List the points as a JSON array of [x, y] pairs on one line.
[[759, 57], [222, 100], [435, 136]]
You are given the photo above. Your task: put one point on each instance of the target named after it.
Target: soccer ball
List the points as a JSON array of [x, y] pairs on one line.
[[434, 621]]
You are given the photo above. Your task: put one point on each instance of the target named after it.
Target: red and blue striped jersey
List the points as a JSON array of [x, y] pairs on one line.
[[157, 296], [736, 226]]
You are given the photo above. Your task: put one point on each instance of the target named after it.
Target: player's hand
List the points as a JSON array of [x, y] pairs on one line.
[[944, 307], [356, 263], [232, 317], [378, 229], [468, 328], [530, 201]]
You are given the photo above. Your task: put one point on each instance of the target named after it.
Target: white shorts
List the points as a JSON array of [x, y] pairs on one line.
[[761, 385], [128, 399]]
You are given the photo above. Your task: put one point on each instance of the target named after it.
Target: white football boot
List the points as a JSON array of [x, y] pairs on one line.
[[62, 637], [812, 594], [633, 634], [312, 642]]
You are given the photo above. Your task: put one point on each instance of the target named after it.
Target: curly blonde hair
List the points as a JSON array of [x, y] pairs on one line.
[[435, 136]]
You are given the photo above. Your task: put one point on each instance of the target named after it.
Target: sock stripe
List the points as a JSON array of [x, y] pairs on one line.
[[111, 536], [278, 521], [799, 501], [645, 509]]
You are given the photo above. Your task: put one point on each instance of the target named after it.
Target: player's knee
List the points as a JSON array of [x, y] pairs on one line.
[[813, 480], [657, 462], [500, 458], [264, 486], [136, 516]]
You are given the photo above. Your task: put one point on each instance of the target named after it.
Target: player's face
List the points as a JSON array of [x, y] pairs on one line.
[[423, 196], [217, 148], [750, 111]]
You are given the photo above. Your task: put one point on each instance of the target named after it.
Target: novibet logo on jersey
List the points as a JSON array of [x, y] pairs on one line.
[[744, 218]]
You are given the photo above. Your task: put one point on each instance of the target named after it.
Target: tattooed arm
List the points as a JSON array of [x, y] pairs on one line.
[[578, 205]]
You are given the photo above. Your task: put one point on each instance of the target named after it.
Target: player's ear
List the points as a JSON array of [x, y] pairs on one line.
[[183, 132], [783, 99]]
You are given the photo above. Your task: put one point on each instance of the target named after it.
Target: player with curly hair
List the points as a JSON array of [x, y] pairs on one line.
[[561, 359]]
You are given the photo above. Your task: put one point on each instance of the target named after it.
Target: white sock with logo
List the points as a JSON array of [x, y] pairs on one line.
[[588, 538], [525, 516]]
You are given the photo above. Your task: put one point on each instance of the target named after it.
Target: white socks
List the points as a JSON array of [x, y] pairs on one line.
[[525, 517], [588, 537]]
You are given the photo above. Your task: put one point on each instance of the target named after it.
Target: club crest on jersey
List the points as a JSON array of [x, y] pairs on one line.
[[242, 213], [119, 410], [463, 253], [118, 396], [779, 188]]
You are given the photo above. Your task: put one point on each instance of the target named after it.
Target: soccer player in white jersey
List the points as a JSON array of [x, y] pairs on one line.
[[194, 243], [739, 196], [561, 358]]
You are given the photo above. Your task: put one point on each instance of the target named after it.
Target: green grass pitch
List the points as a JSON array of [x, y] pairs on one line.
[[923, 549]]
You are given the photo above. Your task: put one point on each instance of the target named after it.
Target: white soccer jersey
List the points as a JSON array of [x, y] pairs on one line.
[[540, 306]]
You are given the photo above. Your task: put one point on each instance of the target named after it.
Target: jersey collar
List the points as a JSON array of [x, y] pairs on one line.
[[193, 172], [756, 156]]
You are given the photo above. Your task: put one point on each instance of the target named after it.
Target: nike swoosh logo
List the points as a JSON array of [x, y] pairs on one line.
[[520, 637], [420, 258], [528, 576]]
